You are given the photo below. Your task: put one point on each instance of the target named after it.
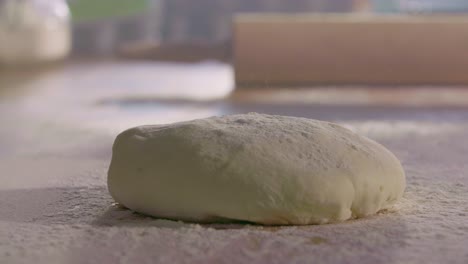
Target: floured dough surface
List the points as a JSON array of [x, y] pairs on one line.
[[253, 167]]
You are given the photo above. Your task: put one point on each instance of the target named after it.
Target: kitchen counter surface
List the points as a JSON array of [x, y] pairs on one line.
[[57, 129]]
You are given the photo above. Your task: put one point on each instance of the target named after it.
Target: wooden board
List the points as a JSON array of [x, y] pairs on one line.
[[350, 49]]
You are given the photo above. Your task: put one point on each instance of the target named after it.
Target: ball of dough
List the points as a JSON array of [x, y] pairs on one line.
[[259, 168]]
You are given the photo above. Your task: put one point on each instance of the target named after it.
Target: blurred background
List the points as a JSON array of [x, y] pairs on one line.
[[116, 63], [107, 26]]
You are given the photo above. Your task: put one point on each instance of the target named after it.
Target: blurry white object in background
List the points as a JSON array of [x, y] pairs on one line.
[[34, 31]]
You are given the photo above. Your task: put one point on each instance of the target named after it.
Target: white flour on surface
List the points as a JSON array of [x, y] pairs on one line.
[[57, 208], [259, 168]]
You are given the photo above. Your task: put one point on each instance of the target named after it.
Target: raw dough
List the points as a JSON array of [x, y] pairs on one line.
[[254, 167]]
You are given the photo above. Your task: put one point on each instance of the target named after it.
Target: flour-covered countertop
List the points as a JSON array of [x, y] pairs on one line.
[[57, 130]]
